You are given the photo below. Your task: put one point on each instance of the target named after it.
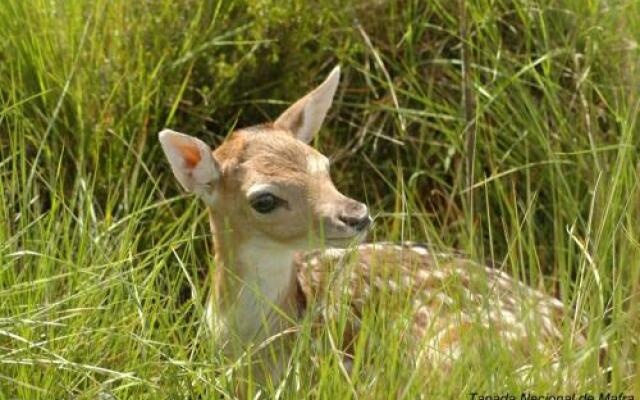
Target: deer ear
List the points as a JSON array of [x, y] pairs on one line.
[[304, 118], [192, 163]]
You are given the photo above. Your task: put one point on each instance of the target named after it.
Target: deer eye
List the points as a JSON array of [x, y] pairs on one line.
[[264, 203]]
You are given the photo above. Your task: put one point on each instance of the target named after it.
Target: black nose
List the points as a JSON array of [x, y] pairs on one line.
[[357, 218]]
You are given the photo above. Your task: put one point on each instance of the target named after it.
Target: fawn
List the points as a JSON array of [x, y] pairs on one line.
[[272, 204]]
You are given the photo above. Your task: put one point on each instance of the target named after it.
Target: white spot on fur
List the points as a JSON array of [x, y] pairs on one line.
[[439, 275], [556, 303], [317, 164], [511, 336], [444, 299], [508, 318], [420, 250], [423, 274], [334, 252]]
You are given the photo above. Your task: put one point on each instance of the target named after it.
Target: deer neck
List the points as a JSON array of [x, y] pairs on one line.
[[254, 282]]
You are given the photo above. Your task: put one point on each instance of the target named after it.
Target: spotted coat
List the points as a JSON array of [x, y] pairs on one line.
[[450, 298]]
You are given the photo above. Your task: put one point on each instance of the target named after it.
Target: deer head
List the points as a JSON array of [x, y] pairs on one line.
[[266, 185]]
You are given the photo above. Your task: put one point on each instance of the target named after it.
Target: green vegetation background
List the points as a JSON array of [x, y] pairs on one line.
[[103, 261]]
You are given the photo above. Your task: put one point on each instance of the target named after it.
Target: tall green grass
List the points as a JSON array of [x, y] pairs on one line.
[[103, 261]]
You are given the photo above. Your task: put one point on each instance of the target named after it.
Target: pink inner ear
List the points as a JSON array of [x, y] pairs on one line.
[[190, 153]]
